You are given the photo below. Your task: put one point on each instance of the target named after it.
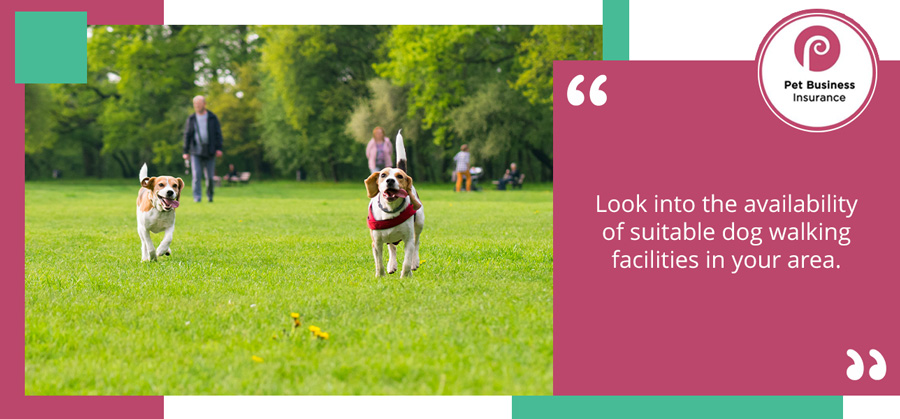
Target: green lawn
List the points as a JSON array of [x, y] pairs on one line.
[[476, 318]]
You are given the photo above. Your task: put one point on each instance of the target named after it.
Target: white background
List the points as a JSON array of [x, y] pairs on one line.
[[871, 407], [687, 30], [329, 407]]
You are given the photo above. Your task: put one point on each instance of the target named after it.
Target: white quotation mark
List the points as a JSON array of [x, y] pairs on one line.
[[879, 370], [576, 98], [856, 371]]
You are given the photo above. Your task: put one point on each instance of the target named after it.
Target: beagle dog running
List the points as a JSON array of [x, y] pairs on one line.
[[156, 203], [395, 215]]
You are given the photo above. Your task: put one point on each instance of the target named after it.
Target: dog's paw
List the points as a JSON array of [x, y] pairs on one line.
[[168, 252], [392, 267]]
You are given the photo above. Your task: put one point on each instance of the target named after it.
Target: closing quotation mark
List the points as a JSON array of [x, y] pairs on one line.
[[856, 371], [576, 98]]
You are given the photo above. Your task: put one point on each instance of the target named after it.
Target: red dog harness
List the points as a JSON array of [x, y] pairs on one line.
[[393, 222]]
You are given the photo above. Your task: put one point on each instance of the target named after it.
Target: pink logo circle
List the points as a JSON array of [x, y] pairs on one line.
[[817, 48]]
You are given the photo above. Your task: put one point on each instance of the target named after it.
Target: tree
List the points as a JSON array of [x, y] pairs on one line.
[[238, 107], [498, 119], [154, 72], [441, 65], [549, 43], [39, 121], [314, 75], [307, 97]]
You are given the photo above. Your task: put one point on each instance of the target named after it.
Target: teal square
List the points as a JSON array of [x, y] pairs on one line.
[[51, 47]]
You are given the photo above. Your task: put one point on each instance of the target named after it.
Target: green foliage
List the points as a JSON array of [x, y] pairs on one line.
[[307, 97], [314, 75], [39, 121], [475, 318], [549, 43], [497, 119], [385, 107], [154, 69], [238, 107], [442, 65]]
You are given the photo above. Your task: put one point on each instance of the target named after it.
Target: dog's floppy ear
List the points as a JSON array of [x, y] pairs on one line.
[[413, 198], [180, 187], [372, 184], [148, 182]]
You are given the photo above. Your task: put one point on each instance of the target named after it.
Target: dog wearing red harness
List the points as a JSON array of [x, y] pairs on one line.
[[395, 214]]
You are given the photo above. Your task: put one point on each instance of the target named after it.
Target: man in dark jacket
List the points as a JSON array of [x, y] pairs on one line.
[[202, 144]]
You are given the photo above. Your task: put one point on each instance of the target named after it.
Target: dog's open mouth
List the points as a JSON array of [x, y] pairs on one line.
[[168, 203], [392, 195]]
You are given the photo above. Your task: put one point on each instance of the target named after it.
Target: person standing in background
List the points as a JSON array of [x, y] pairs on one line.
[[462, 168], [379, 150], [202, 144]]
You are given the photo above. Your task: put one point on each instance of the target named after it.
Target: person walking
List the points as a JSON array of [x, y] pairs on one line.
[[462, 168], [379, 150], [202, 144]]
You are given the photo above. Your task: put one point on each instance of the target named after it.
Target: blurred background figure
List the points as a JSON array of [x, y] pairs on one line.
[[379, 151], [202, 144], [462, 168], [512, 177], [232, 175]]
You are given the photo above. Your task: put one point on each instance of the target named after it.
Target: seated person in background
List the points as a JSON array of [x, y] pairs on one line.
[[512, 175], [232, 175]]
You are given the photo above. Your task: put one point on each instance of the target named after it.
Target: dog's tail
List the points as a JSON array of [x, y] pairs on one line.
[[143, 174], [401, 152]]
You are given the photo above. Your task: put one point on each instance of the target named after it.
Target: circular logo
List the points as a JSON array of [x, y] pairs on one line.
[[817, 48], [817, 70]]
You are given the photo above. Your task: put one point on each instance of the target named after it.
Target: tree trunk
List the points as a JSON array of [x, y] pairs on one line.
[[543, 158], [89, 160], [127, 170]]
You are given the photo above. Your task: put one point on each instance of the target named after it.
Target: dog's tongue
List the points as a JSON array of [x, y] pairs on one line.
[[169, 203], [393, 194]]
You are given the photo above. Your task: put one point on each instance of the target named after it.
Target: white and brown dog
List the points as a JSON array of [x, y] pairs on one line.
[[156, 203], [395, 214]]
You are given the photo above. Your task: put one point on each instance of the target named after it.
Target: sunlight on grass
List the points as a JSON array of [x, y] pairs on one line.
[[217, 316]]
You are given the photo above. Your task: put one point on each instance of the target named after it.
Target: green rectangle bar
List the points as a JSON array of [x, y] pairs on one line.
[[669, 407], [615, 30], [51, 47]]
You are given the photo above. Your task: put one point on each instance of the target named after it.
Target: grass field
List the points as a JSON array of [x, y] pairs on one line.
[[476, 318]]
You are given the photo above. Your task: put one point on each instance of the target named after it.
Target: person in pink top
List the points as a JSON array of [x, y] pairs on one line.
[[379, 150]]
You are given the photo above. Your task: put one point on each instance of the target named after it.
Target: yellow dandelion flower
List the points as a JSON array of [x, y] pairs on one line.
[[256, 359], [274, 335], [296, 323], [314, 329], [322, 335], [295, 315]]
